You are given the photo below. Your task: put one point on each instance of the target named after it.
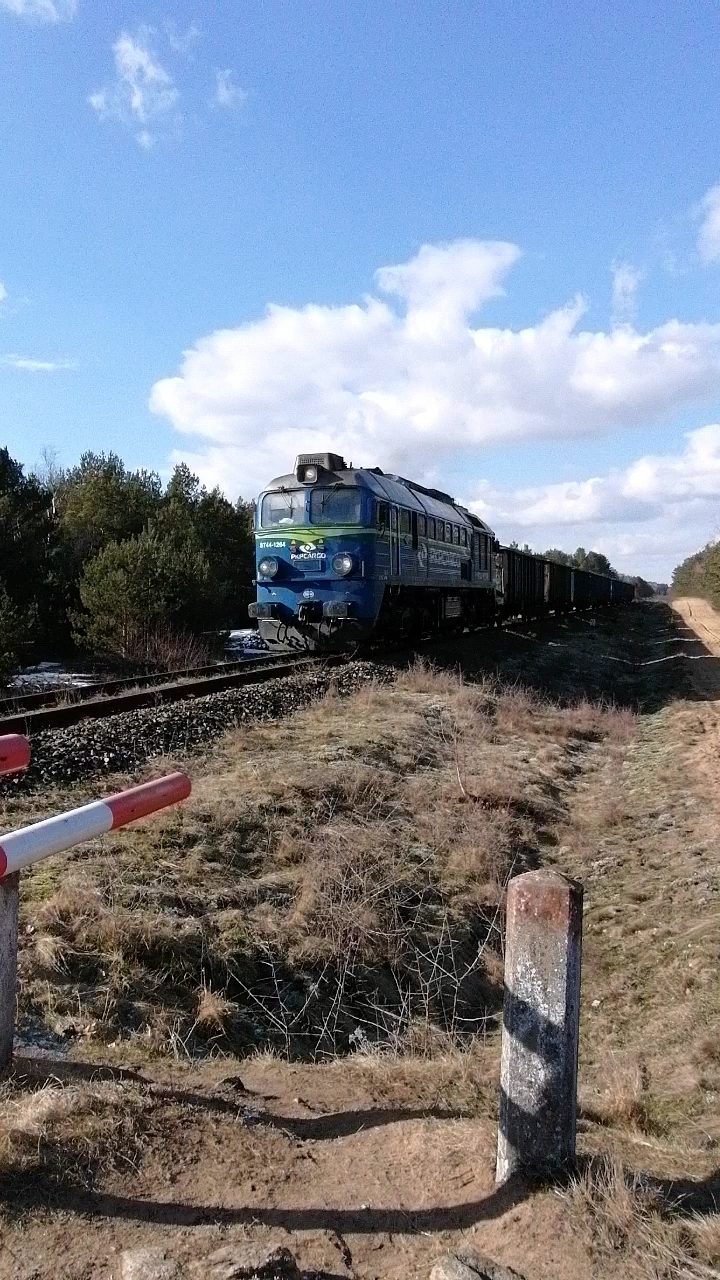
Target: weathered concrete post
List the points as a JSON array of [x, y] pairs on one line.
[[538, 1071], [9, 897]]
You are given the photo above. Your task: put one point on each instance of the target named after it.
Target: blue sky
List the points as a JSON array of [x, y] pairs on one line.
[[535, 185]]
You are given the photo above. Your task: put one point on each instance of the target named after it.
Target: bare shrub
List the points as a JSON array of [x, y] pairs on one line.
[[167, 649], [423, 677]]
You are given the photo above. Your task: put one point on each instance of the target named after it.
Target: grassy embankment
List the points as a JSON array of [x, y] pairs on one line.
[[336, 885]]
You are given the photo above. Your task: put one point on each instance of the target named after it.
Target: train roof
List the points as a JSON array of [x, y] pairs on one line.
[[392, 488]]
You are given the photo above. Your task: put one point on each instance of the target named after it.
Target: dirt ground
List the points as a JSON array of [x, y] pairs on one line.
[[375, 1163]]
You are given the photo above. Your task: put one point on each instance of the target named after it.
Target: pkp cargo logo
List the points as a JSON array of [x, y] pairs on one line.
[[307, 550]]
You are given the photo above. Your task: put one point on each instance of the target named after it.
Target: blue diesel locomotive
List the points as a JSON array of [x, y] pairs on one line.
[[345, 554]]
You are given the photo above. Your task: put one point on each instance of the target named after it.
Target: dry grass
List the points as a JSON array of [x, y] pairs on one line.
[[622, 1098], [335, 882], [68, 1131], [625, 1216]]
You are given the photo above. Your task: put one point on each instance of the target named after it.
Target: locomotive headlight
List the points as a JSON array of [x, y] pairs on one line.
[[268, 567], [343, 564], [310, 475]]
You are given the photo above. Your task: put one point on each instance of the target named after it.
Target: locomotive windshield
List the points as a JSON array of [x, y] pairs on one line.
[[283, 508], [336, 506]]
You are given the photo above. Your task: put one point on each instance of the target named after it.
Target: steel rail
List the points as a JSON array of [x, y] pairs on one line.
[[15, 704], [175, 691]]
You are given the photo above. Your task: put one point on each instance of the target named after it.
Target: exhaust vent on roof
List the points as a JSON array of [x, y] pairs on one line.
[[327, 461]]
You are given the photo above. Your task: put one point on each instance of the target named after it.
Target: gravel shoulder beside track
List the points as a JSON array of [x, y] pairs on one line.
[[94, 748]]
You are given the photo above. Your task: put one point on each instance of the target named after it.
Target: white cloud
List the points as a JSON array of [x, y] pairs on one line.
[[41, 10], [408, 387], [647, 517], [182, 41], [30, 365], [143, 94], [625, 281], [709, 233], [227, 93]]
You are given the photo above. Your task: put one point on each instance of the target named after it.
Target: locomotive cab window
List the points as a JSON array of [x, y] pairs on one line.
[[382, 515], [440, 532], [463, 537], [431, 527], [404, 520], [283, 509], [422, 530], [448, 531], [456, 535], [336, 506]]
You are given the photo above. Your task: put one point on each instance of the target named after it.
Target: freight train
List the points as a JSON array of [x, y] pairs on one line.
[[346, 555]]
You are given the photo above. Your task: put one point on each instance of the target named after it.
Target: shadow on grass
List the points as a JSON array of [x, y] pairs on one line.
[[637, 656]]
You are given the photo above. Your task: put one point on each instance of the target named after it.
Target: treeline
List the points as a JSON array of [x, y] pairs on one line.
[[596, 562], [699, 575], [593, 561], [104, 560]]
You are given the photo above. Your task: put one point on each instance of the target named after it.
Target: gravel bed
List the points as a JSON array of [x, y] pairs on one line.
[[124, 742]]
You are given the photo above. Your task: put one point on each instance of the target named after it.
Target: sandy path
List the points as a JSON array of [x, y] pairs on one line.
[[701, 618], [699, 627]]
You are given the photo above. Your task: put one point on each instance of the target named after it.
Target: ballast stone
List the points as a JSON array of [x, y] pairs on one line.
[[468, 1264]]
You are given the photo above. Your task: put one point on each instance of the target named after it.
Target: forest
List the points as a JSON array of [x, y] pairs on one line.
[[699, 575], [99, 560]]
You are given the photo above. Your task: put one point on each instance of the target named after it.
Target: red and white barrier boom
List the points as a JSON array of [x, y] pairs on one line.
[[14, 753], [21, 848], [54, 835]]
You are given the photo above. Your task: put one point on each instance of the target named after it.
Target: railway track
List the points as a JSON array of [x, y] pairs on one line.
[[104, 699], [15, 704]]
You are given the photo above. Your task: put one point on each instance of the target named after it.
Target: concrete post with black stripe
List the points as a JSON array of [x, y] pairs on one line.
[[541, 1013]]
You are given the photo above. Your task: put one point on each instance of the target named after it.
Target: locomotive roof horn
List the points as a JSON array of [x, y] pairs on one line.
[[309, 465]]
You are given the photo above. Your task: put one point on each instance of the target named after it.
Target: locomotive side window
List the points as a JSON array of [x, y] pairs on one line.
[[283, 508], [483, 553], [404, 520], [421, 527], [336, 506], [456, 535], [441, 530], [431, 527], [463, 537], [382, 515], [448, 531]]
